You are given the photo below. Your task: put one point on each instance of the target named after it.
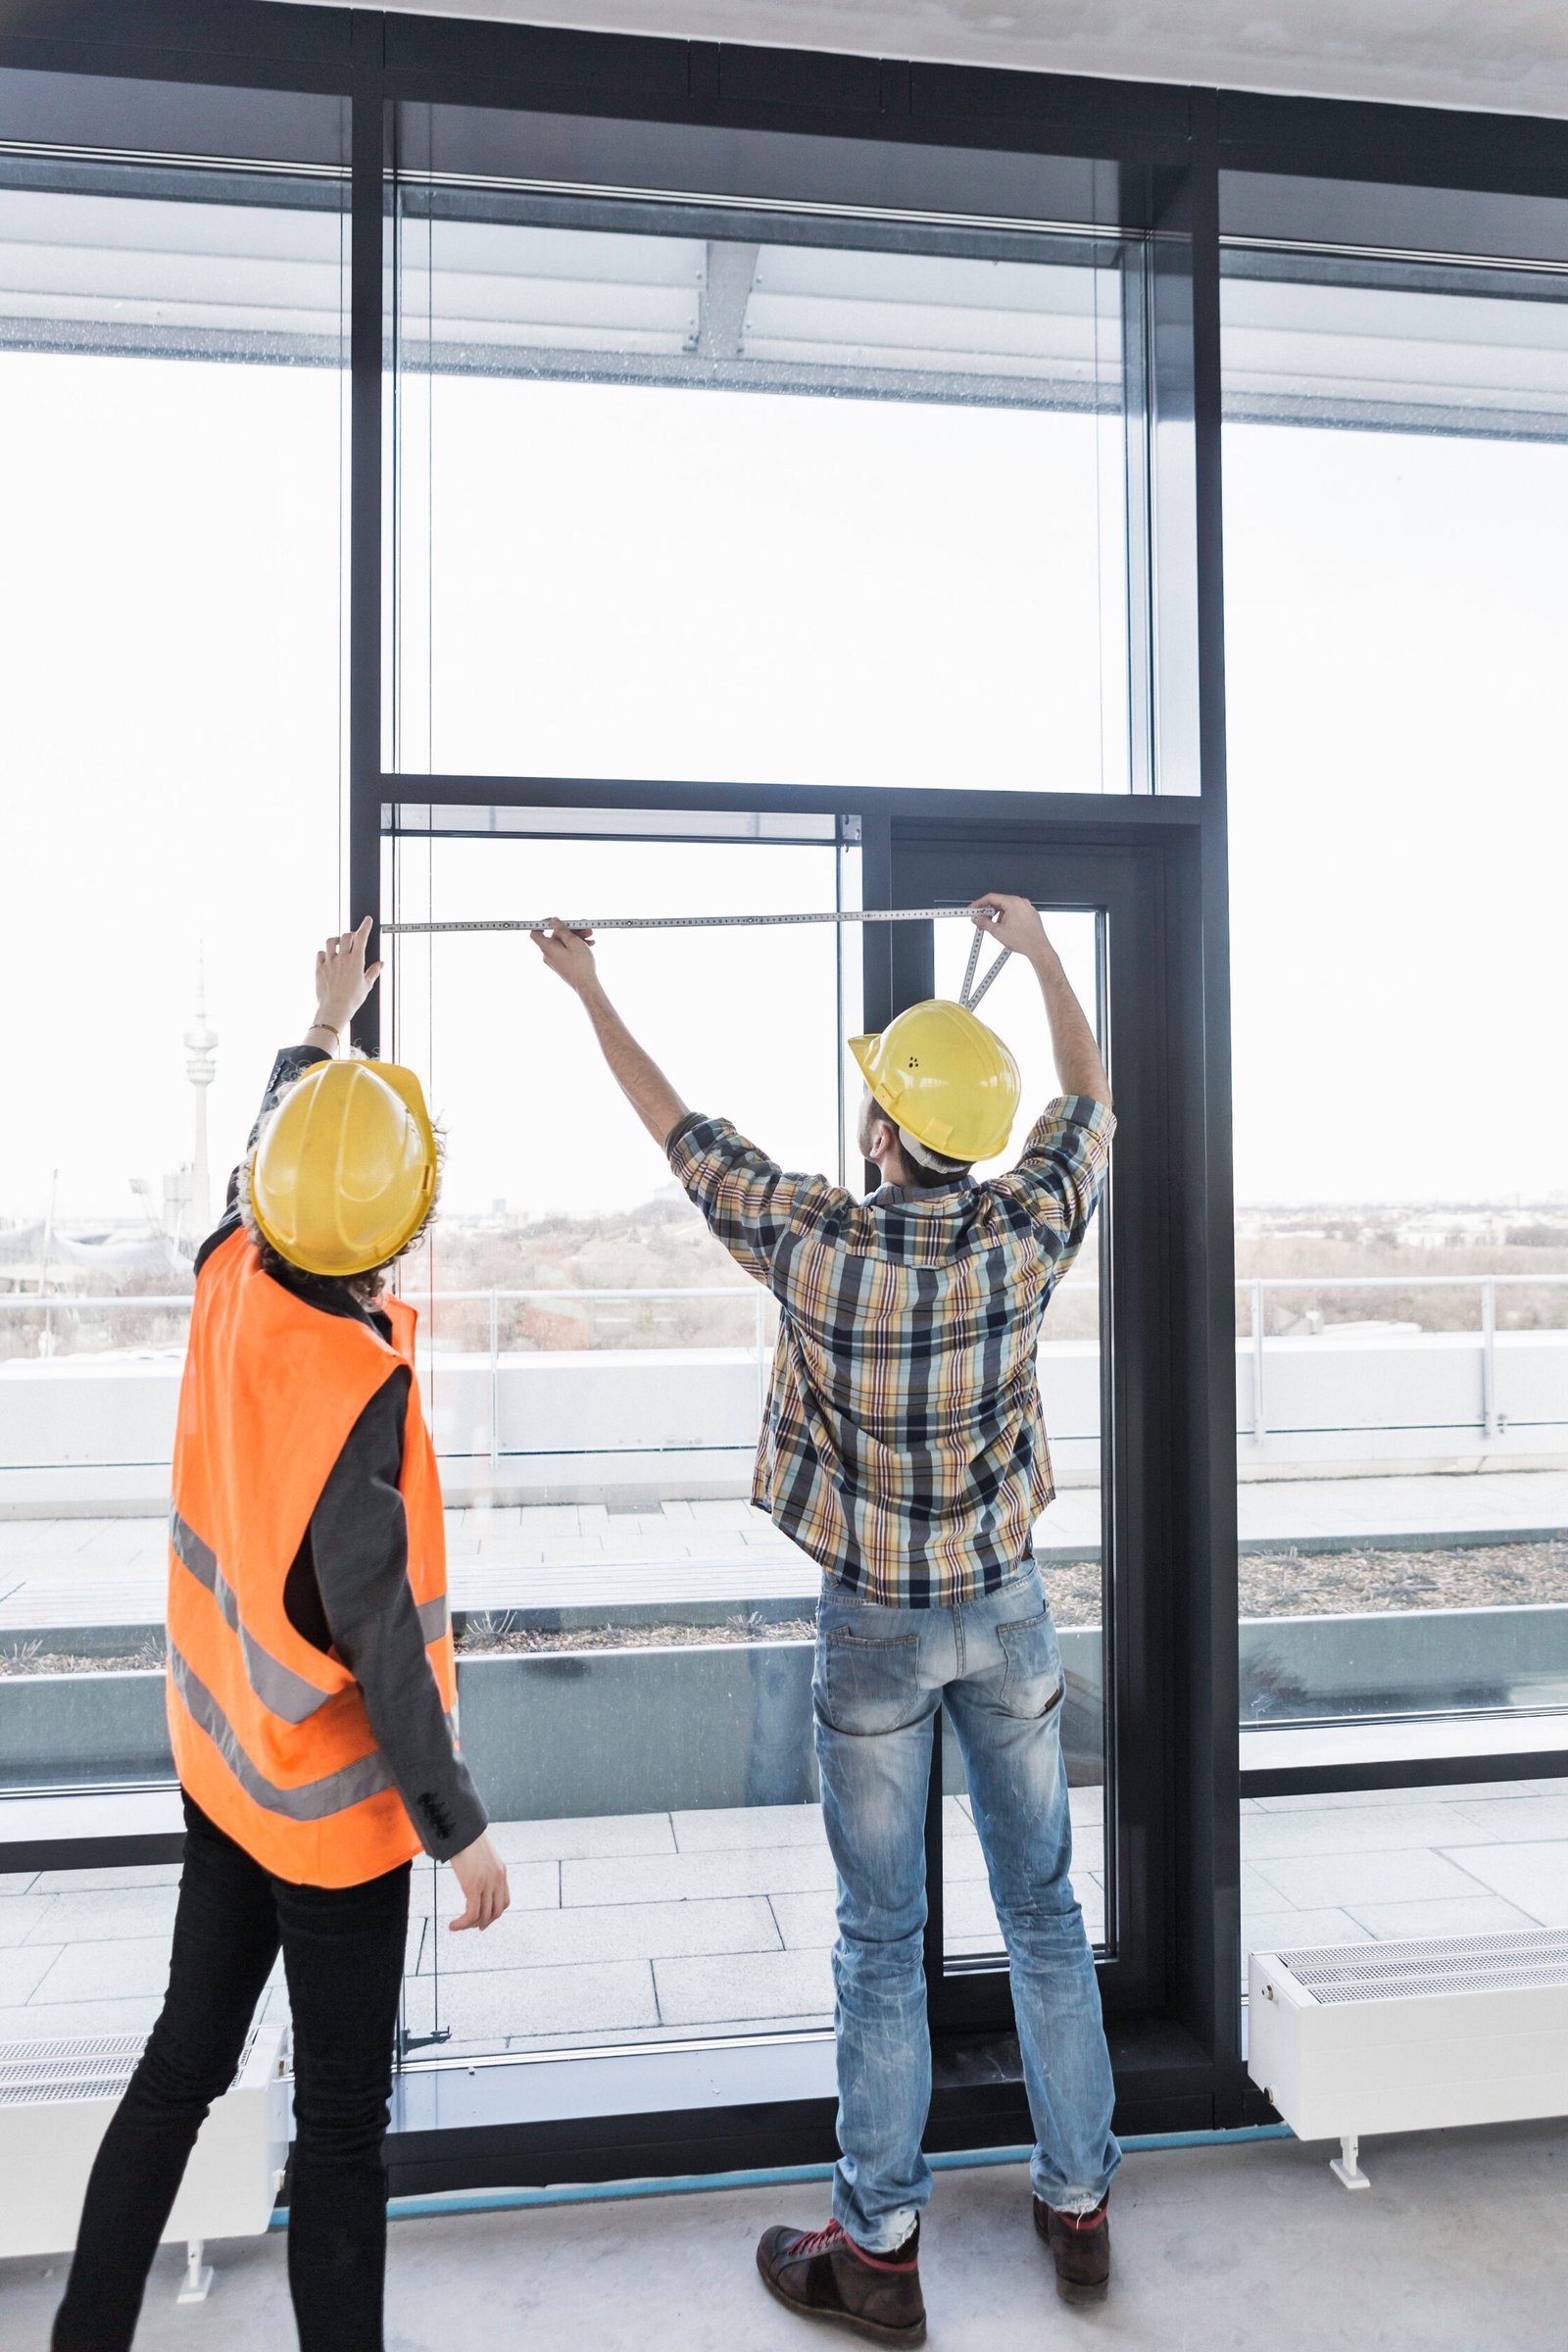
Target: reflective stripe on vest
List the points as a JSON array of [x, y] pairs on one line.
[[287, 1692], [316, 1800]]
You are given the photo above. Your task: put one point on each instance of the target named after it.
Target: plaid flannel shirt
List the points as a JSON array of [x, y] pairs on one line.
[[904, 1446]]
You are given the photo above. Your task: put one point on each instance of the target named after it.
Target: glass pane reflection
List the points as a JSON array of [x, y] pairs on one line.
[[1068, 1538]]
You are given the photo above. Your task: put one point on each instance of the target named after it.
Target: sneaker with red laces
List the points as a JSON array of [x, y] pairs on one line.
[[823, 2275], [1080, 2247]]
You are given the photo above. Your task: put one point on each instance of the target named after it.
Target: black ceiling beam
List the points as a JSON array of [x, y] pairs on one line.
[[735, 86], [259, 43], [1413, 146], [249, 42]]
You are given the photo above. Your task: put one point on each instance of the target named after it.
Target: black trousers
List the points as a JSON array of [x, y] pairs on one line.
[[343, 1950]]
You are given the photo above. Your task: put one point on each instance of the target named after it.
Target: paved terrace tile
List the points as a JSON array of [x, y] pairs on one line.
[[111, 1880], [103, 1969], [600, 1931], [731, 1826], [101, 1916], [676, 1878], [23, 1968], [21, 1915], [533, 1886], [56, 2021], [1464, 1915], [1534, 1876], [1524, 1817], [609, 1997], [1286, 1931], [70, 1571], [1363, 1828], [721, 1920], [1348, 1880], [806, 2026], [712, 1993], [606, 1834], [805, 1922]]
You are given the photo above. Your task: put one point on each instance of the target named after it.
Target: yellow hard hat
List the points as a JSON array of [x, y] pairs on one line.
[[940, 1072], [343, 1175]]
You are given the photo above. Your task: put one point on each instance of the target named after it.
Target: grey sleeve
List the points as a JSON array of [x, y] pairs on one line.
[[291, 1062], [359, 1542]]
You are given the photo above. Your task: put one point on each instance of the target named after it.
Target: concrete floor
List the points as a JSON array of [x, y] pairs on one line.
[[1458, 2246]]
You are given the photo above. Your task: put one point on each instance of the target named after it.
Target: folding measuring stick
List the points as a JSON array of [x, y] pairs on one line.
[[733, 922]]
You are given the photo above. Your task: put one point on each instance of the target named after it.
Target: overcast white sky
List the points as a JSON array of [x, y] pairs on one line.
[[1396, 614], [651, 582]]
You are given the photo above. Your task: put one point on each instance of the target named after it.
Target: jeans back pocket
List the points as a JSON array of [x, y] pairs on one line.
[[1032, 1683], [865, 1685]]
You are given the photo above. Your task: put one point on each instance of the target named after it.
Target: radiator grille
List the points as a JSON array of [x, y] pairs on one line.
[[52, 2073], [1337, 1972]]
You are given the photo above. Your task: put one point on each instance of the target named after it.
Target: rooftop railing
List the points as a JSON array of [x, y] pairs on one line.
[[1488, 1285], [59, 1316]]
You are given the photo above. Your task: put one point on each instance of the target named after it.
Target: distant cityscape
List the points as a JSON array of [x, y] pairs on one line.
[[659, 1243], [1521, 1224], [152, 1250]]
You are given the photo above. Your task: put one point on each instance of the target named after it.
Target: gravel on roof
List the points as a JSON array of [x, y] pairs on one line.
[[1273, 1583], [1347, 1584]]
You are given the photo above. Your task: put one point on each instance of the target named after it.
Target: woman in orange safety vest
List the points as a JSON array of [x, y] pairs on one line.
[[312, 1689]]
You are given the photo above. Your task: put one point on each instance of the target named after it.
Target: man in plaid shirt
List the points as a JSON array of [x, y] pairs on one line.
[[905, 1450]]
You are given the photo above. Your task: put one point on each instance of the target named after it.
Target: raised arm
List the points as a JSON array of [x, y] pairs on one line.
[[342, 984], [1016, 923], [570, 956]]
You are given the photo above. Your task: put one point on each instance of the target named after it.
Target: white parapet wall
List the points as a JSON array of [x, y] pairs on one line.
[[93, 1434]]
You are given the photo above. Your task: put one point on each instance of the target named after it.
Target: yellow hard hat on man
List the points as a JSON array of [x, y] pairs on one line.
[[943, 1077], [344, 1172]]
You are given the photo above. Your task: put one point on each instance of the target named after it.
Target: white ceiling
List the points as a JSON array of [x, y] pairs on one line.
[[1507, 55]]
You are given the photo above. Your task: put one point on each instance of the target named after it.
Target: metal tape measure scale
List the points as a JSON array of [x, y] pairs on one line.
[[736, 922], [700, 923]]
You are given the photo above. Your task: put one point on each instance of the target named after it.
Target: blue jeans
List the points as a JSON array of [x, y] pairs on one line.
[[881, 1674]]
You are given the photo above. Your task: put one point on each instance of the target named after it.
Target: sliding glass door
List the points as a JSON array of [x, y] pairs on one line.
[[633, 1637], [1099, 1541]]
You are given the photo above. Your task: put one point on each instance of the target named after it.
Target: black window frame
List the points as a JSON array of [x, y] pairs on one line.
[[1151, 157]]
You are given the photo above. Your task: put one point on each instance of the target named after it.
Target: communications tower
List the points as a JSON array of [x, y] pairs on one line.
[[201, 1043]]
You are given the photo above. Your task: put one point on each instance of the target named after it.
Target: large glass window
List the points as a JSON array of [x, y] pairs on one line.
[[171, 381], [1395, 490], [699, 507], [1069, 1537], [171, 436], [633, 1637]]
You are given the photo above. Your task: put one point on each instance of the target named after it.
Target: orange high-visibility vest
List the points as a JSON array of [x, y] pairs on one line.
[[270, 1735]]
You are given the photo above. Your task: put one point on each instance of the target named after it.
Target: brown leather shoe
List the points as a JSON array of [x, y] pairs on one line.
[[823, 2275], [1080, 2247]]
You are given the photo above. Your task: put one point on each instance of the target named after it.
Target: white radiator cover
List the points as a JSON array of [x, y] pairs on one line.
[[56, 2100], [1359, 2038]]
